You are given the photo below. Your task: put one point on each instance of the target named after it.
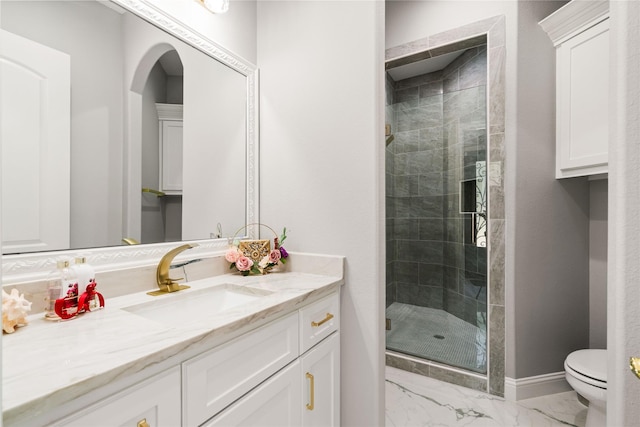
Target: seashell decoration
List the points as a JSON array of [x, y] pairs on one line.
[[14, 310]]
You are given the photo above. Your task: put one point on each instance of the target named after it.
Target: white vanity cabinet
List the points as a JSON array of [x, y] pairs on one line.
[[215, 379], [580, 32], [321, 371], [275, 403], [155, 402], [170, 147], [285, 372], [304, 393]]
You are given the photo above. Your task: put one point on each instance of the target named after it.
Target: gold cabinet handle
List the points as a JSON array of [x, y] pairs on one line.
[[328, 317], [634, 364], [311, 391], [143, 423]]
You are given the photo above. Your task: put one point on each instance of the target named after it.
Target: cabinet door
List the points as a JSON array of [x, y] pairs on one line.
[[153, 403], [321, 374], [171, 162], [583, 103], [275, 403], [220, 376]]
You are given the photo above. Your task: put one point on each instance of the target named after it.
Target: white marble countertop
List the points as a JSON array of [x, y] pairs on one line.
[[47, 364]]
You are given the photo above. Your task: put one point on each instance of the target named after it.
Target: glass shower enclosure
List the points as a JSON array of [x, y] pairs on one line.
[[436, 204]]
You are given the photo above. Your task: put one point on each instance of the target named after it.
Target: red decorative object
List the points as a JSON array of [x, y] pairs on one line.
[[72, 304], [85, 300]]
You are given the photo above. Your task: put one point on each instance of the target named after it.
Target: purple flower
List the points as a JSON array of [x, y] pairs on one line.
[[283, 252]]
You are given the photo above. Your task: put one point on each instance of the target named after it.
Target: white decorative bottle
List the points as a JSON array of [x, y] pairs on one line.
[[84, 272]]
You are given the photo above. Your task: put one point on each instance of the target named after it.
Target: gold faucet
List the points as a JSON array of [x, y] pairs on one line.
[[165, 283]]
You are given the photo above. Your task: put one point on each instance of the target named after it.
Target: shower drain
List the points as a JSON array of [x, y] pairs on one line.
[[438, 336]]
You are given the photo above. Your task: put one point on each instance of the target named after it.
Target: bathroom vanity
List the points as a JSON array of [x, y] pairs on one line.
[[230, 350]]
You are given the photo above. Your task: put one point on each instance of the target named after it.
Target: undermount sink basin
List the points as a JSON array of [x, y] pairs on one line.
[[190, 304]]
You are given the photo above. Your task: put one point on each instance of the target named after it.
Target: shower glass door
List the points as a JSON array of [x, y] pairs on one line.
[[436, 199]]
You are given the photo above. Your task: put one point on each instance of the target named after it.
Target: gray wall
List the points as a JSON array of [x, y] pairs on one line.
[[161, 216], [550, 256], [598, 223]]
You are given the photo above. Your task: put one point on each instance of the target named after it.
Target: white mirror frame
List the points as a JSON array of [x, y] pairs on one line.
[[35, 266]]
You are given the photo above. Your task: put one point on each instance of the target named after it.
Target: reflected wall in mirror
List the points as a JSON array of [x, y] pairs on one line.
[[120, 67]]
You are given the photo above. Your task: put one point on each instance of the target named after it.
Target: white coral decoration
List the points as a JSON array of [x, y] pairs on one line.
[[14, 310]]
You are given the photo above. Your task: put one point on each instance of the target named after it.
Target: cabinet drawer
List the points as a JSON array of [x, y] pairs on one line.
[[218, 377], [155, 401], [318, 321]]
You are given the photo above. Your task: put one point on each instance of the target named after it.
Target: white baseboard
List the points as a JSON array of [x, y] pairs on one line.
[[540, 385]]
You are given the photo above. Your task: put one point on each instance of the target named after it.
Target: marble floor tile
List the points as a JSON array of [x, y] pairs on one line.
[[414, 400]]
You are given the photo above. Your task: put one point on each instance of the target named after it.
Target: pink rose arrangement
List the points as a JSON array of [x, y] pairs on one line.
[[246, 266]]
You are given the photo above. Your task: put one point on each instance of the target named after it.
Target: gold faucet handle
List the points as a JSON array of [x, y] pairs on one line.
[[634, 364]]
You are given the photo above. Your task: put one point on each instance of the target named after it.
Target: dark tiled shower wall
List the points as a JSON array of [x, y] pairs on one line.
[[439, 126]]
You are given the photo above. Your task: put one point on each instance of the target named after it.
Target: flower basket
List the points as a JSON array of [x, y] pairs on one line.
[[251, 256]]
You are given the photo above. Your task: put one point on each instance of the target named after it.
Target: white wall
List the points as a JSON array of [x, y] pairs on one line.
[[407, 21], [0, 258], [234, 30], [214, 149], [322, 151], [214, 119]]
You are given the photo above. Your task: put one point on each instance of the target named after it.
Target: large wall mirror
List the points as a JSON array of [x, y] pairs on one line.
[[120, 126]]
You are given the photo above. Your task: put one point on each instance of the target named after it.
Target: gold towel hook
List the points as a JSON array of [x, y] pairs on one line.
[[152, 191]]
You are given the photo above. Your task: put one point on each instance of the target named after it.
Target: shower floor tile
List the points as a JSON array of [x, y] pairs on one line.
[[436, 335]]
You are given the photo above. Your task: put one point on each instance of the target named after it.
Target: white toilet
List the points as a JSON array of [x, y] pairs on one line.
[[586, 372]]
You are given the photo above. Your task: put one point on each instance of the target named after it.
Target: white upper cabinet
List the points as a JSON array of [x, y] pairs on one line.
[[580, 32]]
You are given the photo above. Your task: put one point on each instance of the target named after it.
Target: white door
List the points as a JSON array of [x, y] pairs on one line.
[[623, 311], [321, 371], [35, 133]]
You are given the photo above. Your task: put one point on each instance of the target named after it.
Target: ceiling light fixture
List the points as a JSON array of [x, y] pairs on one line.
[[216, 6]]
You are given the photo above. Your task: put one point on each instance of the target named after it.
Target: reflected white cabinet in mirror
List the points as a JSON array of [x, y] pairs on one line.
[[170, 148], [220, 115]]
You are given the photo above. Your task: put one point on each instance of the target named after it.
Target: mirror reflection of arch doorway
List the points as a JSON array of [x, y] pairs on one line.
[[161, 158]]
